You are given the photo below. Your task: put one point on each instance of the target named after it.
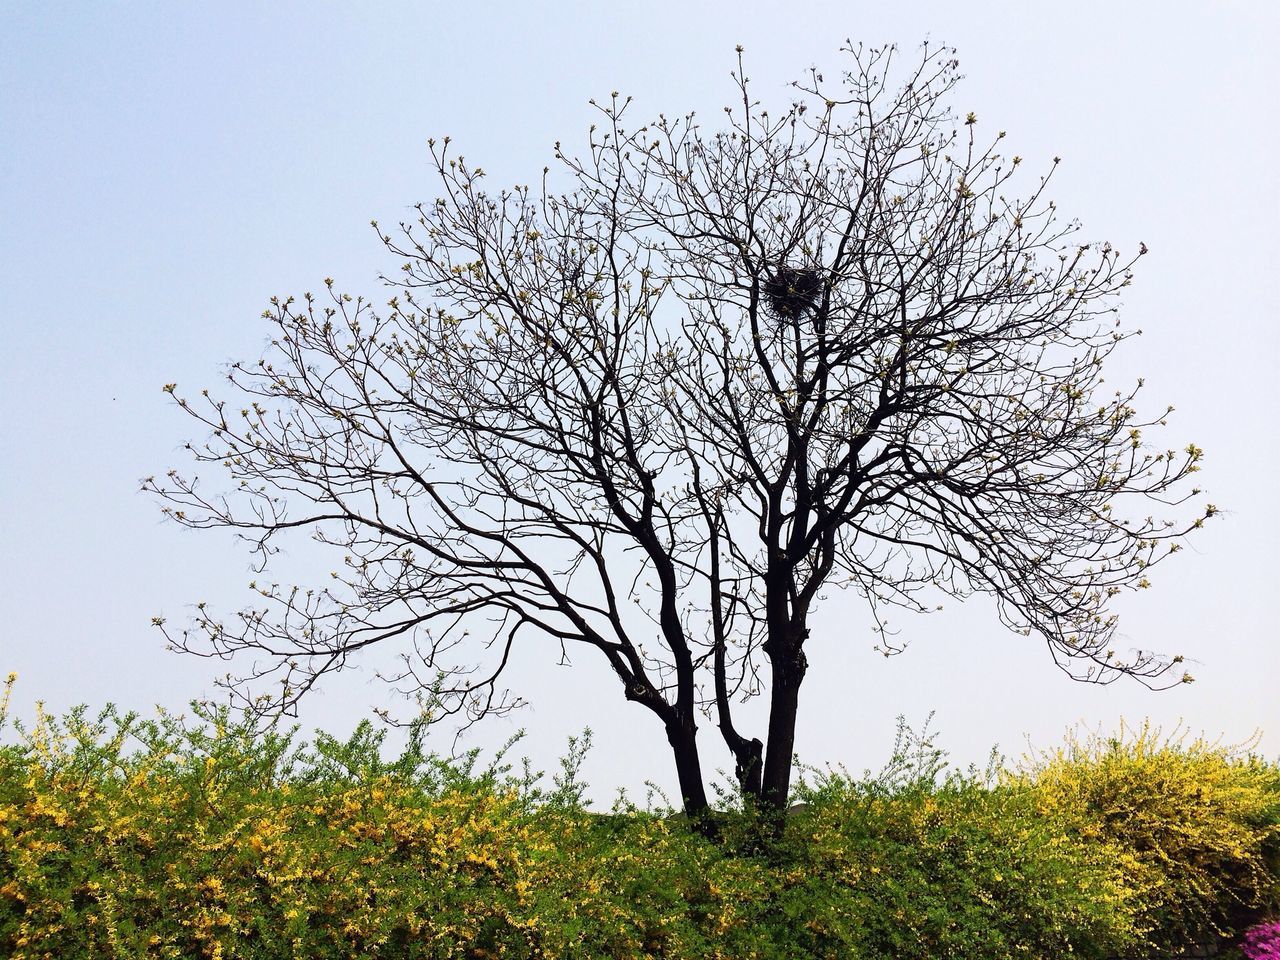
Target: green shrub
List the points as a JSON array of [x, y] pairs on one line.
[[1197, 825], [170, 838], [955, 870]]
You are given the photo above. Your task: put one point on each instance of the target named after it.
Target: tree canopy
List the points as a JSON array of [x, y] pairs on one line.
[[659, 405]]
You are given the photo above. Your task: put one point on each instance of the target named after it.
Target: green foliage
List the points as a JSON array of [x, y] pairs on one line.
[[1197, 825], [168, 837], [937, 862]]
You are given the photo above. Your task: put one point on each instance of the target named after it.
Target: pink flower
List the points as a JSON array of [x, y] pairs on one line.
[[1262, 942]]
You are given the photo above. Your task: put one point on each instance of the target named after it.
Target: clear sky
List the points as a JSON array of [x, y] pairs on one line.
[[166, 168]]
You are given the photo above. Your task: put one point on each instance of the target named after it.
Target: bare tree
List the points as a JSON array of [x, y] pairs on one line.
[[656, 412]]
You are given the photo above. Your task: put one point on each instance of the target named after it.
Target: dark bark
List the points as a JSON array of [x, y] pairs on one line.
[[682, 736], [789, 665]]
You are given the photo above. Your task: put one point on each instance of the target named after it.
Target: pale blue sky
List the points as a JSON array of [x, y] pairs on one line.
[[166, 168]]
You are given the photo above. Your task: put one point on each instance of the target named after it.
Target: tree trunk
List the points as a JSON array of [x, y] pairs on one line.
[[789, 667], [684, 746], [749, 767]]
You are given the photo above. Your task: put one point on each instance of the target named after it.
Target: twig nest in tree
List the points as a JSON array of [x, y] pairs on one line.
[[791, 291]]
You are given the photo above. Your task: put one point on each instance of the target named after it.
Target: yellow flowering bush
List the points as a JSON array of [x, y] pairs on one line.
[[174, 838], [1196, 826], [219, 844], [955, 869]]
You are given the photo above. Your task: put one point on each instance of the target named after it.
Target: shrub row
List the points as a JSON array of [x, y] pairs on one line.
[[171, 838]]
